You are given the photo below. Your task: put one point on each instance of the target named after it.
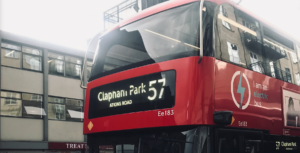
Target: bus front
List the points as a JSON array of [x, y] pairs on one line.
[[147, 90]]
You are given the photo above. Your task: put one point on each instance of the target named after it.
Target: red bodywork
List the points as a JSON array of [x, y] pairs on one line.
[[193, 97], [201, 89]]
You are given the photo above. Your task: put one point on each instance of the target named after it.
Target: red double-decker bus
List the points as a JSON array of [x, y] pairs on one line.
[[189, 76]]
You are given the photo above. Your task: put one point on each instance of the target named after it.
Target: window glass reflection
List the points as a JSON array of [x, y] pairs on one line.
[[73, 70], [10, 94], [32, 97], [74, 109], [65, 109], [32, 62], [233, 53], [33, 109], [56, 111], [22, 105], [32, 105], [74, 102], [143, 42], [11, 107], [11, 53], [31, 50], [74, 113], [73, 60], [10, 58], [55, 56], [224, 13], [64, 65], [56, 67], [56, 100], [56, 63], [10, 46]]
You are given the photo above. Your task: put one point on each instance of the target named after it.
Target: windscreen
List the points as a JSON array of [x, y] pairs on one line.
[[163, 36]]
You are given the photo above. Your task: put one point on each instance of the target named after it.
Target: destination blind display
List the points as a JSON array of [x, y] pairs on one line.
[[148, 92]]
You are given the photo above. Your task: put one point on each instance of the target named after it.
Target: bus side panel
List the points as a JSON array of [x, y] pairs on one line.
[[255, 99]]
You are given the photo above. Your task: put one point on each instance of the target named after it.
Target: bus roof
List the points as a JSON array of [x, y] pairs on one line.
[[174, 3]]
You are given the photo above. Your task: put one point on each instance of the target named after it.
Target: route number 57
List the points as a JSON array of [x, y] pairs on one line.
[[153, 89]]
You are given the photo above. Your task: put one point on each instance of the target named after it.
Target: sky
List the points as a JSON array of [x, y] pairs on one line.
[[68, 23], [71, 23]]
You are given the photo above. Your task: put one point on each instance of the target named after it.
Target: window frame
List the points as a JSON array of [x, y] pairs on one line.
[[64, 65], [240, 62], [65, 110], [287, 70], [11, 98], [51, 59], [75, 68], [23, 109], [14, 51], [294, 58], [224, 13], [41, 57], [21, 53]]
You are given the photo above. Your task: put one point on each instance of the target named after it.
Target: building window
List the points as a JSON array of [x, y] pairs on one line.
[[255, 63], [65, 109], [74, 110], [89, 65], [29, 105], [33, 105], [31, 57], [272, 68], [233, 53], [56, 63], [294, 56], [11, 104], [11, 98], [246, 24], [56, 108], [298, 78], [73, 66], [10, 55], [64, 65], [224, 13], [288, 75]]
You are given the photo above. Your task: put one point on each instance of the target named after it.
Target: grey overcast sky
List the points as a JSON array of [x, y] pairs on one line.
[[71, 23]]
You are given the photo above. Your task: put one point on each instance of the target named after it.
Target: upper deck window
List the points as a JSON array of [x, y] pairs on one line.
[[273, 35], [163, 36]]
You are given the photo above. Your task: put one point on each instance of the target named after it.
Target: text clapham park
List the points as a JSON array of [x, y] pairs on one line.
[[151, 92]]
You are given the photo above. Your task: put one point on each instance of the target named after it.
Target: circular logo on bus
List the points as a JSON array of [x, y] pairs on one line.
[[239, 90]]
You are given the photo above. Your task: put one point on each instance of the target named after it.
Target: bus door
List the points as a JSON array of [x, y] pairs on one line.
[[238, 141]]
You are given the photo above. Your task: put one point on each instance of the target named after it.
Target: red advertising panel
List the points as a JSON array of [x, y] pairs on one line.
[[256, 99]]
